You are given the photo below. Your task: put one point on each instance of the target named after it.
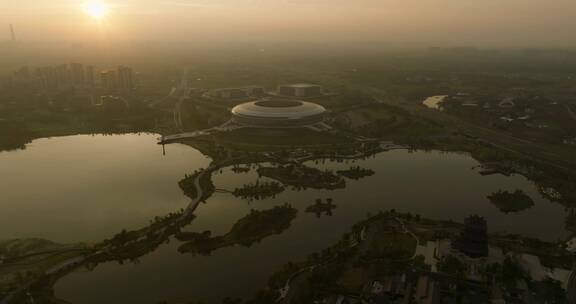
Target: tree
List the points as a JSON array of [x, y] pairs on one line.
[[511, 272], [453, 266]]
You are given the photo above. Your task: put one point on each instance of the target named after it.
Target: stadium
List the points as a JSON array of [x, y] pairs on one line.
[[278, 113]]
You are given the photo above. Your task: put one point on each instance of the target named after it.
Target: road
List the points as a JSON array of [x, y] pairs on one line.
[[225, 127], [507, 142], [285, 291]]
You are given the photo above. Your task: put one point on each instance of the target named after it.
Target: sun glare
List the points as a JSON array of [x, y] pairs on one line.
[[96, 9]]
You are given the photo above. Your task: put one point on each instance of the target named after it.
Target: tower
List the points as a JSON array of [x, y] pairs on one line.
[[12, 33], [89, 79], [109, 80], [125, 78], [77, 75]]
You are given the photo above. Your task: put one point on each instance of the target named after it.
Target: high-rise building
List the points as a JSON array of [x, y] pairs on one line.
[[59, 77], [89, 79], [48, 78], [61, 72], [6, 82], [125, 78], [77, 74], [109, 80], [23, 73]]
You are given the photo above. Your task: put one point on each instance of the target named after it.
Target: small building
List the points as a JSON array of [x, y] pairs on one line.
[[230, 94], [470, 103], [506, 119], [569, 141], [255, 91], [111, 103], [395, 286], [237, 94], [300, 90], [507, 103], [525, 117]]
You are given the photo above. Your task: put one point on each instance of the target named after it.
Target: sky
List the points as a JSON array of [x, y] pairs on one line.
[[535, 23]]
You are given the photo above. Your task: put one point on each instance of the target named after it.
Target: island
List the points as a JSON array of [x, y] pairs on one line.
[[259, 190], [303, 177], [356, 173], [248, 230], [511, 201]]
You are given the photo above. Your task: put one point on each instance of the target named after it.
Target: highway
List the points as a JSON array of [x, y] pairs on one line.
[[534, 151]]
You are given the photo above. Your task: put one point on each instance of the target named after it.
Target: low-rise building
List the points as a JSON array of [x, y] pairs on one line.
[[237, 94], [507, 103], [425, 290], [300, 90], [229, 93]]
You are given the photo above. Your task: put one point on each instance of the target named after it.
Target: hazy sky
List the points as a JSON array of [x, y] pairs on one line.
[[472, 22]]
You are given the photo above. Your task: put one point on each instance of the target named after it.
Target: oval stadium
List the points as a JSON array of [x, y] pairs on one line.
[[278, 113]]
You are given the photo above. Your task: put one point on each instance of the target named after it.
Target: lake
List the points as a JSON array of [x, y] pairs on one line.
[[86, 188]]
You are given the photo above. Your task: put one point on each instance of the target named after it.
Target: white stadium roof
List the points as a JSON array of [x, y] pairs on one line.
[[280, 109]]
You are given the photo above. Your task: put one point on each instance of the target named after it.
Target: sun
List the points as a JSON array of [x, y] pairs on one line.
[[96, 9]]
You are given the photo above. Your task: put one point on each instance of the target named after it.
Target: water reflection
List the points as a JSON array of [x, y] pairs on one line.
[[438, 185], [258, 190], [435, 184], [320, 208], [247, 231], [511, 201], [356, 173], [90, 187]]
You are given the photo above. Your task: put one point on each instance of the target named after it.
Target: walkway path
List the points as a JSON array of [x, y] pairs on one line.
[[407, 231]]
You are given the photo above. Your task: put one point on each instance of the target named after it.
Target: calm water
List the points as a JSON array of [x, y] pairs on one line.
[[125, 181], [87, 188]]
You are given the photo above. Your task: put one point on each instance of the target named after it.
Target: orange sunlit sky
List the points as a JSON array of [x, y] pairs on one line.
[[479, 22]]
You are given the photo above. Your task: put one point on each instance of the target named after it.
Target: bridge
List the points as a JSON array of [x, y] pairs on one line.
[[230, 125], [225, 127]]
